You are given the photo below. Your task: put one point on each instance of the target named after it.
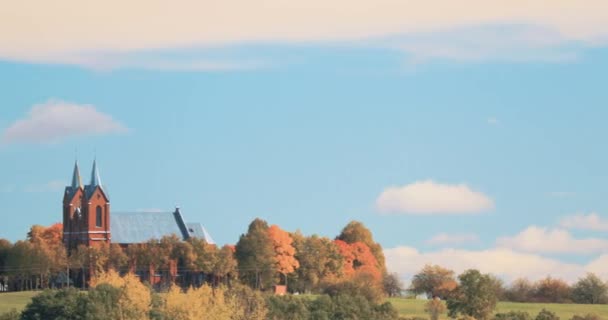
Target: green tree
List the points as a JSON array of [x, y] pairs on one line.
[[392, 285], [320, 261], [512, 315], [356, 231], [434, 281], [255, 255], [590, 290], [65, 304], [103, 302], [475, 296]]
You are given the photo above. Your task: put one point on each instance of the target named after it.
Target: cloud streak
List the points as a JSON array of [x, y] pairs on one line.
[[428, 198], [56, 120], [505, 263], [452, 239], [67, 30], [582, 221], [544, 240]]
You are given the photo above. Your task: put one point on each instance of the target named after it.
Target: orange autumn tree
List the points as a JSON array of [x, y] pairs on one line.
[[358, 259], [285, 260]]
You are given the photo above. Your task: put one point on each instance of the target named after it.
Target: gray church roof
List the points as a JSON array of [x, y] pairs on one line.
[[139, 227]]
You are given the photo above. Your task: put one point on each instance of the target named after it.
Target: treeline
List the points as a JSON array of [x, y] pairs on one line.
[[436, 281], [112, 296], [264, 256]]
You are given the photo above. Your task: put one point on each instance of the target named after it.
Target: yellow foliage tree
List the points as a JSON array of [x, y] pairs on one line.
[[201, 303], [135, 299]]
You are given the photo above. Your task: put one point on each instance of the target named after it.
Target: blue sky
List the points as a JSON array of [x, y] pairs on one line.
[[490, 153]]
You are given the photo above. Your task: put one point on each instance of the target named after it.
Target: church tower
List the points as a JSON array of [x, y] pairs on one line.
[[86, 211]]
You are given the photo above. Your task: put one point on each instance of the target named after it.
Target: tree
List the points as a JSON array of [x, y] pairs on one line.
[[245, 303], [435, 307], [284, 252], [319, 259], [392, 285], [103, 302], [135, 298], [358, 258], [590, 290], [475, 296], [513, 315], [356, 231], [521, 290], [552, 290], [226, 266], [255, 255], [65, 304], [434, 281]]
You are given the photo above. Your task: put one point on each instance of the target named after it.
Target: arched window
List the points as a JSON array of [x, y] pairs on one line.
[[98, 219]]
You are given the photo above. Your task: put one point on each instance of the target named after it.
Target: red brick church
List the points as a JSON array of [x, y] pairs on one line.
[[87, 219]]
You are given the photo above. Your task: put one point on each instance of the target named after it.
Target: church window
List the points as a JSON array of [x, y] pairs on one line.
[[98, 215]]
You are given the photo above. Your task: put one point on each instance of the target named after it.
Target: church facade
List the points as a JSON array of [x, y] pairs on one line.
[[88, 220]]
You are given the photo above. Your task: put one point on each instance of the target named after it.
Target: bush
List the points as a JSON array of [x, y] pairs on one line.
[[360, 285], [588, 316], [546, 315], [297, 308], [64, 304], [591, 290], [512, 315]]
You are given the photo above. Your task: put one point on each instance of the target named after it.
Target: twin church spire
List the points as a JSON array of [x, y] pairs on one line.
[[77, 180]]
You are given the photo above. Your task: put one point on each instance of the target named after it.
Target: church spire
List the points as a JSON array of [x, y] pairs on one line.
[[95, 179], [76, 181]]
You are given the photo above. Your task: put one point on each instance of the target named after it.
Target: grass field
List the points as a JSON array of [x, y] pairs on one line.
[[406, 307], [410, 308], [15, 300]]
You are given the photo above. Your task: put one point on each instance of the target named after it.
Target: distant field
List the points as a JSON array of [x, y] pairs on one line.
[[406, 307], [410, 308], [15, 300]]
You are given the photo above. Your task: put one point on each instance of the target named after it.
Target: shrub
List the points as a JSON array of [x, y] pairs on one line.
[[297, 308], [64, 304], [588, 316], [512, 315], [546, 315]]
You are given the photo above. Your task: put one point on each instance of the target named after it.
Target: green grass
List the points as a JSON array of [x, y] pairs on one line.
[[15, 300], [411, 308]]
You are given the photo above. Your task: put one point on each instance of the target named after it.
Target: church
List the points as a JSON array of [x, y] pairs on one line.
[[87, 218]]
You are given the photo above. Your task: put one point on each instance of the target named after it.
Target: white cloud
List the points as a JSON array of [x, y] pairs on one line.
[[60, 31], [582, 221], [51, 186], [598, 266], [492, 121], [561, 194], [544, 240], [56, 120], [505, 263], [428, 197], [452, 239]]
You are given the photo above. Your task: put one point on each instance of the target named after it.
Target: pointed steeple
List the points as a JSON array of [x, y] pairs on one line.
[[76, 181], [95, 179]]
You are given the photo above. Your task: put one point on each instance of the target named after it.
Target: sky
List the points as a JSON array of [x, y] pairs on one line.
[[469, 135]]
